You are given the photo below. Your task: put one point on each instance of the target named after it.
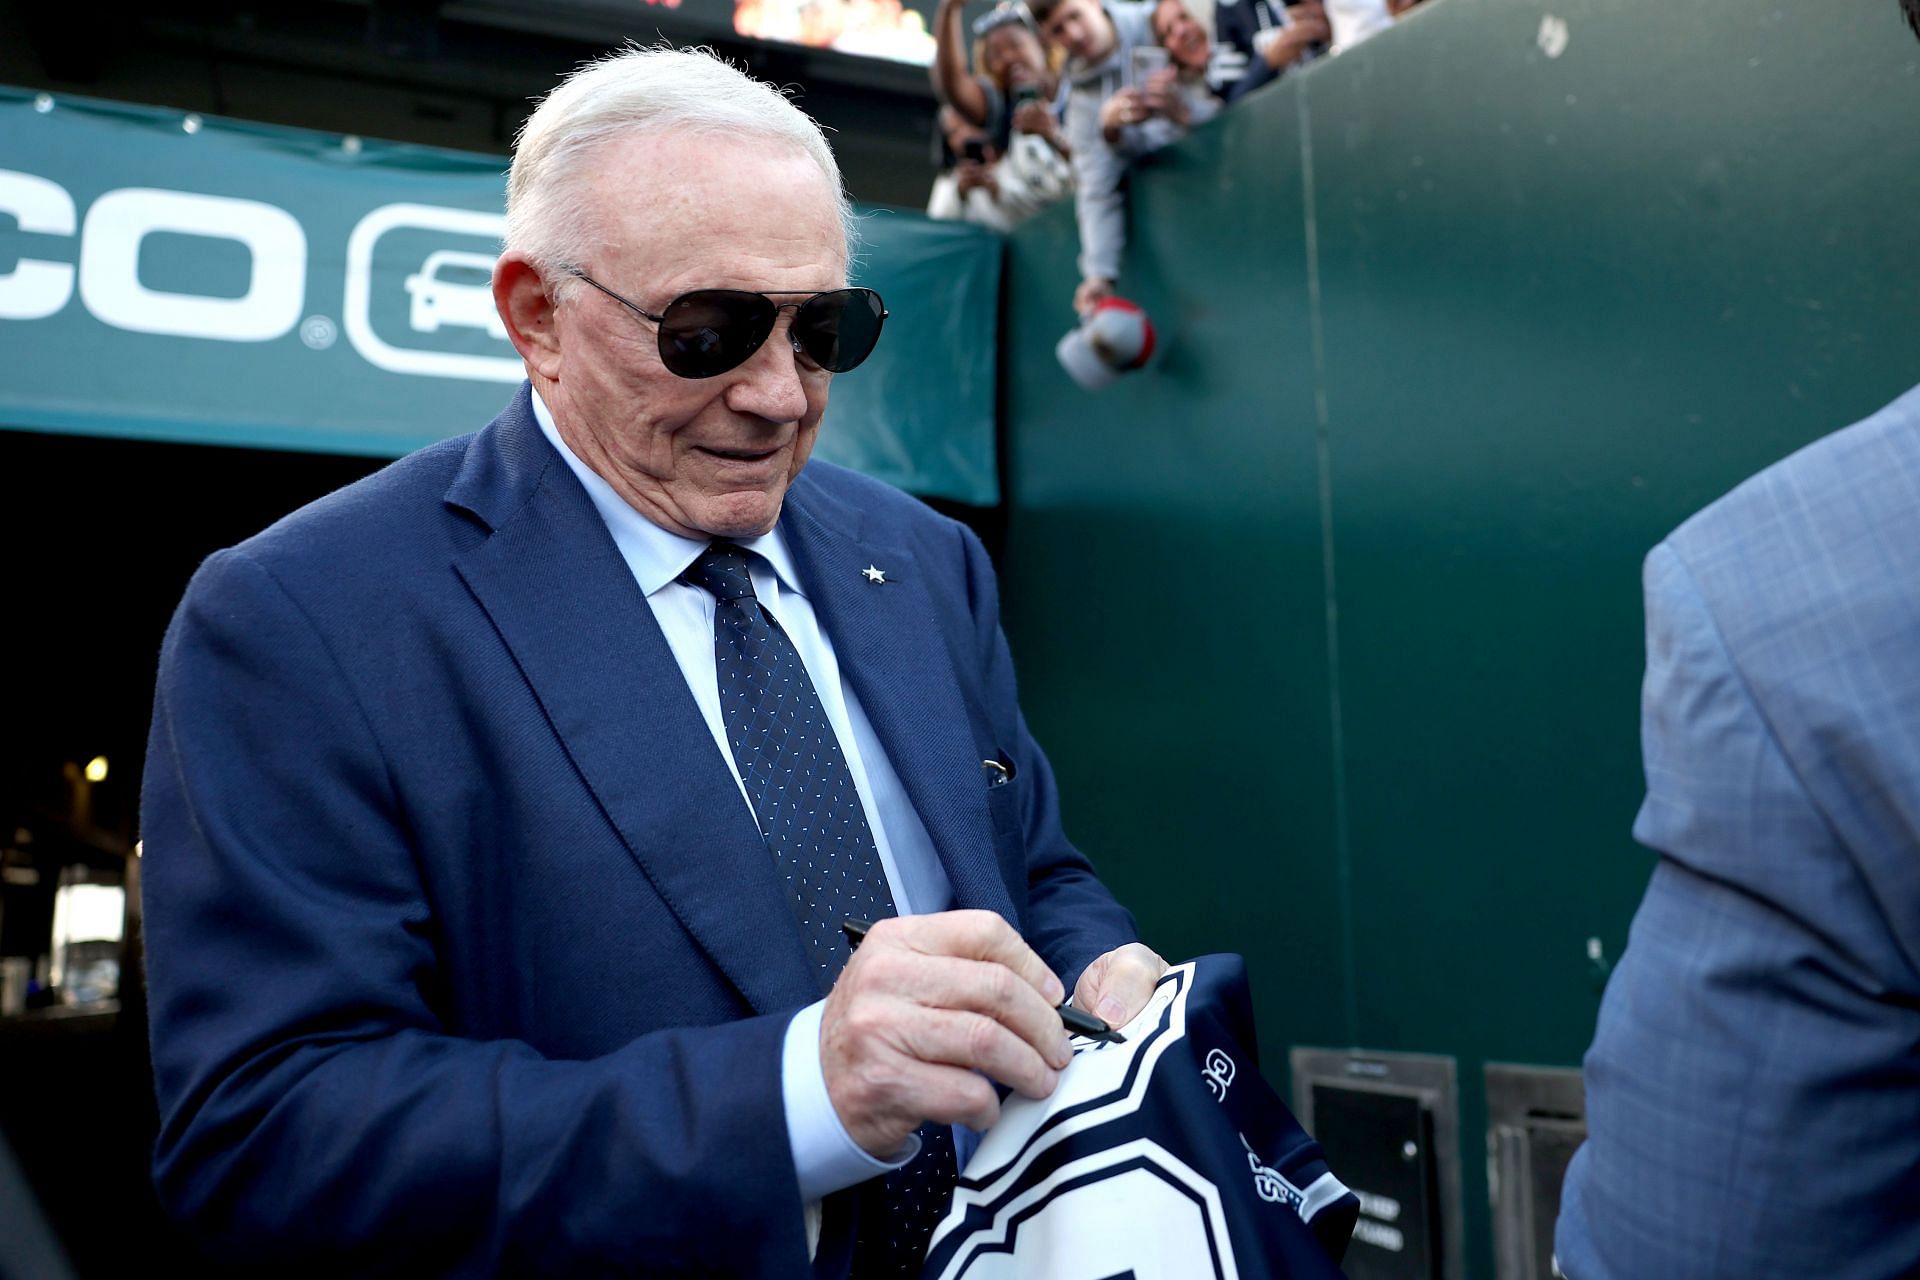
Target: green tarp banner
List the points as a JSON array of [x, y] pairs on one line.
[[170, 277]]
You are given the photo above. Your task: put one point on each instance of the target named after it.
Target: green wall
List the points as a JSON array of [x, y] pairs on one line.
[[1331, 618]]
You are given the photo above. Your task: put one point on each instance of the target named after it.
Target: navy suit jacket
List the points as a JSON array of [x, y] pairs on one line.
[[1753, 1089], [465, 954]]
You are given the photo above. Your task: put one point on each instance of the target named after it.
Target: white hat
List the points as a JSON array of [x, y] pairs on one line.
[[1115, 338]]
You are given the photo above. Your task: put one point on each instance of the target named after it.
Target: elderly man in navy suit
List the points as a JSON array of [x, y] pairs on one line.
[[503, 809], [1753, 1089]]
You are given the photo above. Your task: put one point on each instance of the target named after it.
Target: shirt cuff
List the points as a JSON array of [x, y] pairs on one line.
[[826, 1159]]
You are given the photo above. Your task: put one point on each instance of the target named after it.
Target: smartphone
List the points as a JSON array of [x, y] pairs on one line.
[[975, 150], [1145, 60]]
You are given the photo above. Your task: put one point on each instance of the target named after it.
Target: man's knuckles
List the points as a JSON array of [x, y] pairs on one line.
[[999, 987], [960, 1039], [877, 1085], [982, 1041], [975, 1103], [886, 933], [887, 968], [979, 932], [865, 1023]]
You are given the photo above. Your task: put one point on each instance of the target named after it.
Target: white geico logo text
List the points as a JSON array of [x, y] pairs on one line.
[[120, 221]]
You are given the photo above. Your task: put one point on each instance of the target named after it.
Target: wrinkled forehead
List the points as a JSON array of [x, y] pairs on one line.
[[671, 197]]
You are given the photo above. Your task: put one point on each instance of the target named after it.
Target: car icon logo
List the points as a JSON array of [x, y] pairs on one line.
[[454, 287], [450, 290]]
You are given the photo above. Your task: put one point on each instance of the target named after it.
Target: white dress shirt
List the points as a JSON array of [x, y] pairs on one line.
[[826, 1158]]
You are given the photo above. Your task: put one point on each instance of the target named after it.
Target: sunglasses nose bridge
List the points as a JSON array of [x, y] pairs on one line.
[[781, 312], [761, 323], [786, 313]]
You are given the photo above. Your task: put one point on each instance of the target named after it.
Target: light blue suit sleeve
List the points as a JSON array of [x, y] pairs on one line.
[[1753, 1086]]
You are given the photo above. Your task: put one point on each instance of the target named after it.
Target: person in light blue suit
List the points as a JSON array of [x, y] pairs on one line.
[[1753, 1088]]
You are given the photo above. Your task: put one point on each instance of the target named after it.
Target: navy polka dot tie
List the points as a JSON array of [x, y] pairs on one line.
[[810, 814]]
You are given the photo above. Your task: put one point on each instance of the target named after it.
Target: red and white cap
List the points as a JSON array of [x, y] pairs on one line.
[[1115, 338]]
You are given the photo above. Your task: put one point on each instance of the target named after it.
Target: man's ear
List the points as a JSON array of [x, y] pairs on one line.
[[528, 311]]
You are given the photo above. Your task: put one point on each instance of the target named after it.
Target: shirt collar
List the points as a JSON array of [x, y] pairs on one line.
[[657, 556]]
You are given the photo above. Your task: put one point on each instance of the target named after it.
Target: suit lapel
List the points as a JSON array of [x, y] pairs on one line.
[[564, 602], [898, 665]]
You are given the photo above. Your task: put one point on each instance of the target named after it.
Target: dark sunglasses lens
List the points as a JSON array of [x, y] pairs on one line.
[[710, 331], [838, 330]]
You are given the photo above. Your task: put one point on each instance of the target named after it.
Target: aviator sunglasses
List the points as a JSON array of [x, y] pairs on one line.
[[709, 331]]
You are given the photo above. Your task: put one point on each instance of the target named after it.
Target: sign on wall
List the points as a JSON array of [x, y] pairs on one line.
[[177, 278], [892, 30]]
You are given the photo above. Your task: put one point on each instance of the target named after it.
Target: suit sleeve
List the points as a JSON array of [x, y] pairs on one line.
[[314, 1107], [1742, 1113], [1071, 918]]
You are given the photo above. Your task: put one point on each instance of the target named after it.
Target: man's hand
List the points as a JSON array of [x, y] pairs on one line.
[[1116, 987], [1091, 291], [1163, 97], [928, 1011], [1125, 107]]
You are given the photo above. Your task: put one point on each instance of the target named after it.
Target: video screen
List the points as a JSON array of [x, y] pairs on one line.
[[897, 30]]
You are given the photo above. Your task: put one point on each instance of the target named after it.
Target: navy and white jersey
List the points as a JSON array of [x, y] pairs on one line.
[[1166, 1158]]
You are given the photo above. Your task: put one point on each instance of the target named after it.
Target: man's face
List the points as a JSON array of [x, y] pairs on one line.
[[707, 457], [1080, 27], [1184, 39]]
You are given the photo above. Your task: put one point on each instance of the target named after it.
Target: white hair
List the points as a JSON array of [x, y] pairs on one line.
[[638, 90]]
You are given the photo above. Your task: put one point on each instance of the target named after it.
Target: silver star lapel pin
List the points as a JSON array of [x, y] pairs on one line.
[[873, 575]]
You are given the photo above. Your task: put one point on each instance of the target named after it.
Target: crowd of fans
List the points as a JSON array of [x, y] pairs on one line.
[[1062, 96]]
